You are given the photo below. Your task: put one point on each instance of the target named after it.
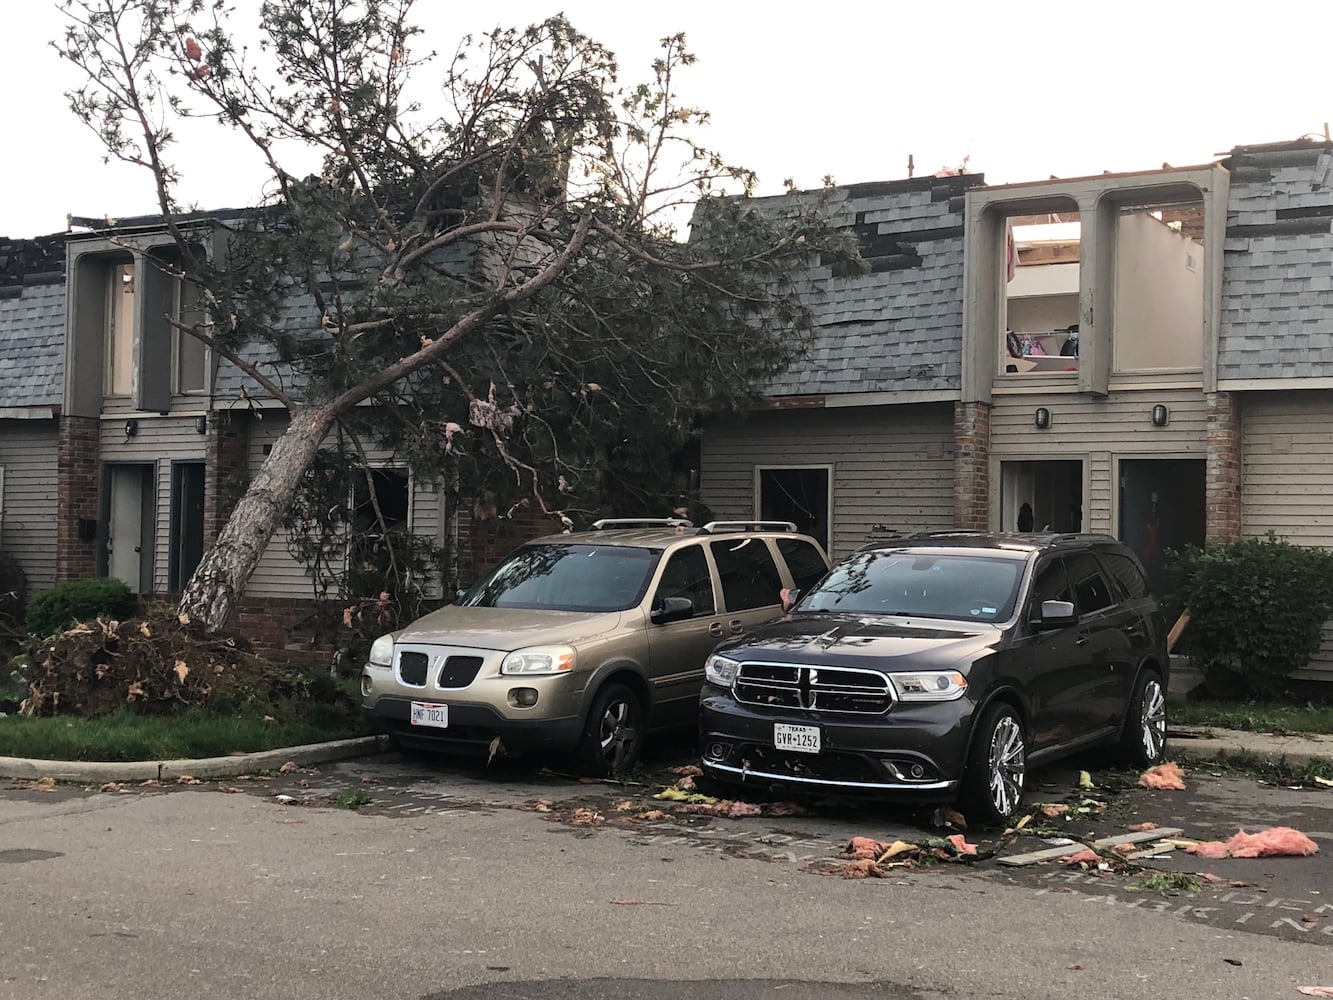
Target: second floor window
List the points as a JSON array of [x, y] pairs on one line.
[[120, 330]]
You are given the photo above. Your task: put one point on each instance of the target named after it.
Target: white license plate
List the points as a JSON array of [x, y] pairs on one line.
[[428, 713], [802, 739]]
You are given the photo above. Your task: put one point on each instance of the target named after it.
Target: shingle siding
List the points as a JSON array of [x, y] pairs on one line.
[[1277, 310]]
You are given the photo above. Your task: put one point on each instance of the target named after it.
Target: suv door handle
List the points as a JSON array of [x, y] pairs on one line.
[[737, 626], [715, 628], [1081, 641]]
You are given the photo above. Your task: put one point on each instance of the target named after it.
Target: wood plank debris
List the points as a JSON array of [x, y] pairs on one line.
[[1143, 836]]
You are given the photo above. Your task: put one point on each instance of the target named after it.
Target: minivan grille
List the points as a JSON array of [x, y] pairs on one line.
[[459, 671], [823, 689], [412, 668]]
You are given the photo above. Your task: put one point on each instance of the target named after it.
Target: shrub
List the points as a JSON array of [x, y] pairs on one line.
[[13, 593], [1257, 610], [78, 601]]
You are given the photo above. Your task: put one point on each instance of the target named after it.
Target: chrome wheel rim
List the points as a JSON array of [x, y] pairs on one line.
[[1152, 721], [618, 737], [1007, 765]]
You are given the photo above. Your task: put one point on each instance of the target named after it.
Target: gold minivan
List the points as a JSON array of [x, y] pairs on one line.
[[583, 642]]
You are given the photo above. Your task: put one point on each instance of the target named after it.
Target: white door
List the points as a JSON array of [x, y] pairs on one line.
[[124, 543]]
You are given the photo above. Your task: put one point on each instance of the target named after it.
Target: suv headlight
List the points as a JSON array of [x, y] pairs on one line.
[[720, 671], [935, 685], [381, 652], [539, 660]]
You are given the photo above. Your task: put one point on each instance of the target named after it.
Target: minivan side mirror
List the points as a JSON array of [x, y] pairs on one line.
[[673, 609], [1054, 614], [459, 595]]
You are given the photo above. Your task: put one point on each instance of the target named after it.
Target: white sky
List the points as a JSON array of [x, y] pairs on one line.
[[1026, 89]]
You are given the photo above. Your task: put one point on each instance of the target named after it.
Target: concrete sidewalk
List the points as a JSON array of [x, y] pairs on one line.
[[1207, 742], [96, 772]]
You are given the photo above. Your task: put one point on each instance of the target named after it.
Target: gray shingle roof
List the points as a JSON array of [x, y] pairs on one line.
[[1277, 276], [32, 345]]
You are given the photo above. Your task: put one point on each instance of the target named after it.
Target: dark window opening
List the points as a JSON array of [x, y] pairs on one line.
[[187, 523], [379, 521], [1041, 496], [1040, 275], [748, 574], [799, 495]]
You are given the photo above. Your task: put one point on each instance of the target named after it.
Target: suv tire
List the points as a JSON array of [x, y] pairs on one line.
[[612, 734], [992, 786], [1143, 737]]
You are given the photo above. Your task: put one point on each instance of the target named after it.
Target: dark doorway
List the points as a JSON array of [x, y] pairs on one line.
[[799, 495], [1041, 496], [1161, 508], [187, 523]]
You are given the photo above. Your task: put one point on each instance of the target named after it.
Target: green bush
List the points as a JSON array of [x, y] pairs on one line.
[[1257, 610], [56, 609]]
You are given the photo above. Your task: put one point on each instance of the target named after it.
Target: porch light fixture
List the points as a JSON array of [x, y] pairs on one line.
[[1042, 418], [201, 424], [1160, 415], [131, 428]]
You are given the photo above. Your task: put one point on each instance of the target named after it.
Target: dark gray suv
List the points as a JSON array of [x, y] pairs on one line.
[[942, 666]]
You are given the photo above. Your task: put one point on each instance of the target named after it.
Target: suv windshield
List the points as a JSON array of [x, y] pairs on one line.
[[567, 578], [923, 585]]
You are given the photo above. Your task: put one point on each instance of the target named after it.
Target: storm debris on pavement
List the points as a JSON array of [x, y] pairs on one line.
[[1315, 991], [947, 816], [1163, 777], [696, 802], [865, 857], [1275, 842]]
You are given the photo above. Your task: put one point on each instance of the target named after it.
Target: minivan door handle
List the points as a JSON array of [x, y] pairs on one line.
[[737, 626], [715, 628]]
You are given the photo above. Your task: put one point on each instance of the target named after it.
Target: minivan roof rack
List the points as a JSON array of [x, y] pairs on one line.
[[641, 522], [716, 527]]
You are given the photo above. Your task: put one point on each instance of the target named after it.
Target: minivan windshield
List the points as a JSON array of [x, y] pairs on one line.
[[922, 585], [567, 578]]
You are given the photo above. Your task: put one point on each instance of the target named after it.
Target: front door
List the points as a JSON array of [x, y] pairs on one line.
[[129, 525]]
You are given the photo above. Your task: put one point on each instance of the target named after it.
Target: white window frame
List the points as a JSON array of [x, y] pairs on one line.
[[827, 468]]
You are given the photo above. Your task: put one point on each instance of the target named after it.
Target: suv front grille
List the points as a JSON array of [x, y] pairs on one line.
[[412, 668], [823, 689], [459, 671]]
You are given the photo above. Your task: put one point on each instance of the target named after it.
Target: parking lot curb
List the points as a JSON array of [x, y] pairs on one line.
[[204, 767], [1207, 743]]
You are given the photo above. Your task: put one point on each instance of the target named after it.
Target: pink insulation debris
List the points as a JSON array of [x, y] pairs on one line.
[[961, 845], [863, 847], [1275, 842], [1085, 856], [1167, 776]]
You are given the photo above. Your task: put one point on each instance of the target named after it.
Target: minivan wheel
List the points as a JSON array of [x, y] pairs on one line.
[[1143, 740], [992, 787], [612, 734]]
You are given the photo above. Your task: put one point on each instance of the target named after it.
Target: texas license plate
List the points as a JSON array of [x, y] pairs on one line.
[[802, 739], [426, 713]]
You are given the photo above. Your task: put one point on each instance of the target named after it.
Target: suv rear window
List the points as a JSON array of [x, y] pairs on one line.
[[567, 578], [803, 559], [749, 576], [1091, 590], [1126, 574]]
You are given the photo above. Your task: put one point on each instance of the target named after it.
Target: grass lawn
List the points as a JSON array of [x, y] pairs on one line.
[[124, 736], [1256, 717]]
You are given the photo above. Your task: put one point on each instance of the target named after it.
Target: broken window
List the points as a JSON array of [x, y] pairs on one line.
[[800, 494], [1040, 324], [1158, 307], [120, 329], [381, 512]]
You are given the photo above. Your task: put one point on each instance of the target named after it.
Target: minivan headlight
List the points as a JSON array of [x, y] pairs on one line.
[[381, 652], [720, 671], [539, 660], [935, 685]]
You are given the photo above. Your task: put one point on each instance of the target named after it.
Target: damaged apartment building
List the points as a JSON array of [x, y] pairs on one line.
[[1148, 355]]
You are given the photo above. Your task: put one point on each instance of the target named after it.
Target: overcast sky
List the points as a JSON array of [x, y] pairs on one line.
[[1025, 90]]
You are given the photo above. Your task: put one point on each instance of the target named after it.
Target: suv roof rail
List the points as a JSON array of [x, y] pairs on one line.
[[641, 522], [716, 527]]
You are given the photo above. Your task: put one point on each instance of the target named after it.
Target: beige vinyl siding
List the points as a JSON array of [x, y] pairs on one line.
[[158, 441], [278, 573], [1287, 478], [892, 465], [1096, 431], [28, 450]]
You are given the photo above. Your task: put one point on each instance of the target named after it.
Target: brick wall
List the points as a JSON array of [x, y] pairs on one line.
[[76, 497], [225, 469], [1223, 470], [486, 535], [971, 458]]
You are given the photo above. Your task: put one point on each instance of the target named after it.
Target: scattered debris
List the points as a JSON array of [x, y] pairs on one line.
[[1140, 827], [543, 805], [1085, 856], [726, 808], [1085, 780], [1053, 811], [188, 779], [1315, 991], [865, 857], [946, 816], [1323, 783], [288, 767], [1233, 961], [1166, 777], [586, 817], [687, 771], [1275, 842], [641, 902], [1049, 853]]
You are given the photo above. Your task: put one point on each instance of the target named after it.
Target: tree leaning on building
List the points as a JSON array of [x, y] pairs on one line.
[[502, 281]]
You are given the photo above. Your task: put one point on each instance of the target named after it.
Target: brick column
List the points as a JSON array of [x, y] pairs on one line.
[[76, 496], [1222, 491], [971, 466], [226, 469]]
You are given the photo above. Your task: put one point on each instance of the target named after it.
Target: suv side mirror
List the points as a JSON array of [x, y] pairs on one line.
[[673, 609], [1054, 614], [789, 596]]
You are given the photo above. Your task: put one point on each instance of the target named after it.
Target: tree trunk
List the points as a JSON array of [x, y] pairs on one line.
[[221, 576]]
